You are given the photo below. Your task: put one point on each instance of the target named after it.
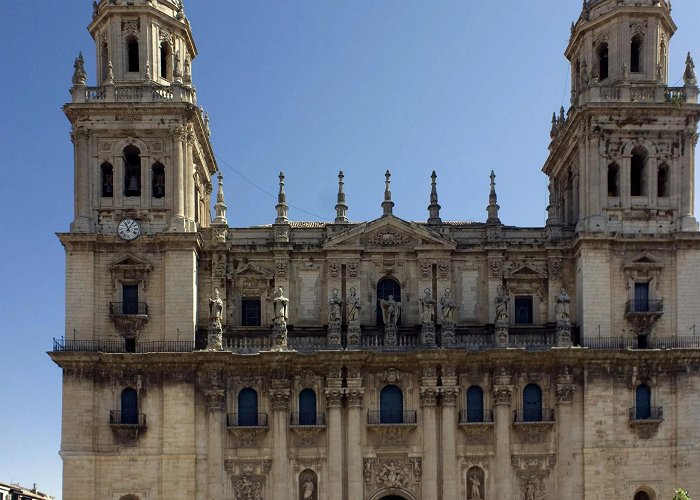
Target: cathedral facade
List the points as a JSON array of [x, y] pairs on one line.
[[385, 359]]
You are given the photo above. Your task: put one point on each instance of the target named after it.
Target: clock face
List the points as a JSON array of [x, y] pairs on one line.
[[129, 229]]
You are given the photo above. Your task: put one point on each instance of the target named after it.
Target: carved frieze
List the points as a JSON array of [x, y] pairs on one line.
[[334, 268], [218, 265], [425, 268], [443, 268], [555, 266], [353, 267], [248, 488], [387, 238], [281, 269], [496, 267], [390, 376], [131, 26], [392, 474]]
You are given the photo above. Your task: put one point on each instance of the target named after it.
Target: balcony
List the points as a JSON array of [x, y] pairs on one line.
[[644, 422], [533, 424], [642, 314], [135, 93], [477, 425], [307, 426], [391, 427], [247, 427], [121, 346], [128, 317], [126, 426]]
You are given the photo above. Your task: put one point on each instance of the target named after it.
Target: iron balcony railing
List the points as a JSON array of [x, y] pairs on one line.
[[638, 413], [475, 416], [128, 308], [644, 306], [615, 343], [379, 417], [121, 346], [534, 415], [246, 420], [307, 418], [128, 417]]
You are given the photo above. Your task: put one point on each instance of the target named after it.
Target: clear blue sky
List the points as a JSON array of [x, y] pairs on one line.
[[306, 86]]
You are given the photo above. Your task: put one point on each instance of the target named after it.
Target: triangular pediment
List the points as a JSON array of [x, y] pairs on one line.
[[525, 272], [130, 262], [250, 270], [388, 233], [644, 260]]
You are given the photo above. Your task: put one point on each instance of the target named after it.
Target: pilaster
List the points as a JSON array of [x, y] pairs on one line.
[[502, 396]]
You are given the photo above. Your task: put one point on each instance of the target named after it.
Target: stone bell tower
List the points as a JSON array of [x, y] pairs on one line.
[[622, 158], [621, 170], [143, 169]]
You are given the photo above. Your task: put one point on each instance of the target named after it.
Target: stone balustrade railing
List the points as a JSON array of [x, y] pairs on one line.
[[134, 93], [639, 93]]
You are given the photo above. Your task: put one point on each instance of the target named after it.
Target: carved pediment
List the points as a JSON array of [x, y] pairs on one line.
[[643, 261], [129, 262], [250, 270], [525, 272], [388, 233]]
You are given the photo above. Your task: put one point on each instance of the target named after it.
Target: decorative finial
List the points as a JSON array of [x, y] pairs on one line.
[[281, 206], [341, 209], [79, 76], [492, 209], [387, 204], [562, 117], [220, 206], [555, 129], [434, 207], [206, 124], [689, 75], [95, 8], [110, 73], [552, 207], [180, 9]]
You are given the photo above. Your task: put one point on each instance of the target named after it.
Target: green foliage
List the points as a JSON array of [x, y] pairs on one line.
[[681, 494]]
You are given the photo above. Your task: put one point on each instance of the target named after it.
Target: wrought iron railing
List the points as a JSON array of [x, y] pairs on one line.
[[121, 346], [620, 343], [246, 419], [128, 308], [127, 418], [534, 415], [644, 306], [307, 418], [638, 413], [379, 417], [475, 417]]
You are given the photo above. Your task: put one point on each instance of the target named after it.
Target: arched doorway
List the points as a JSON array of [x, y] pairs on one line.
[[387, 287], [392, 497]]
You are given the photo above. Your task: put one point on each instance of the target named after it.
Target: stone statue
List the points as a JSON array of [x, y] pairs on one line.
[[279, 302], [308, 489], [475, 491], [426, 307], [391, 311], [353, 306], [216, 307], [562, 307], [529, 491], [447, 305], [689, 73], [334, 307], [502, 306]]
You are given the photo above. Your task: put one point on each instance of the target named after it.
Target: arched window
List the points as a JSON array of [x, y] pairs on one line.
[[104, 61], [391, 405], [129, 406], [475, 404], [662, 181], [132, 171], [642, 402], [248, 407], [642, 495], [532, 403], [158, 180], [165, 56], [107, 179], [636, 54], [387, 287], [638, 181], [132, 53], [307, 407], [613, 180], [602, 53]]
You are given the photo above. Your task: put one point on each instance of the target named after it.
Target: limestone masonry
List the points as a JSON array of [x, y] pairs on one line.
[[385, 359]]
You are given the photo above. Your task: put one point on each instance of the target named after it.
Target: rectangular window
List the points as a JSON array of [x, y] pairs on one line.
[[250, 312], [641, 297], [523, 310], [130, 299]]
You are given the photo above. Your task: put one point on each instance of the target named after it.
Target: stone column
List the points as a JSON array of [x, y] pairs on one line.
[[81, 137], [450, 474], [335, 444], [593, 185], [355, 429], [688, 222], [428, 401], [279, 397], [565, 460], [216, 398], [188, 172], [502, 394], [178, 189]]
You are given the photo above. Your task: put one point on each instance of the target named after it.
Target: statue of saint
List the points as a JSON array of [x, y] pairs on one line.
[[308, 489], [475, 492], [391, 311], [447, 305], [216, 307], [334, 307], [426, 307], [279, 302], [353, 306], [562, 307], [502, 306]]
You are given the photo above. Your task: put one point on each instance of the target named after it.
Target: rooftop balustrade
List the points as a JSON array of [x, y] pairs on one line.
[[135, 93]]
